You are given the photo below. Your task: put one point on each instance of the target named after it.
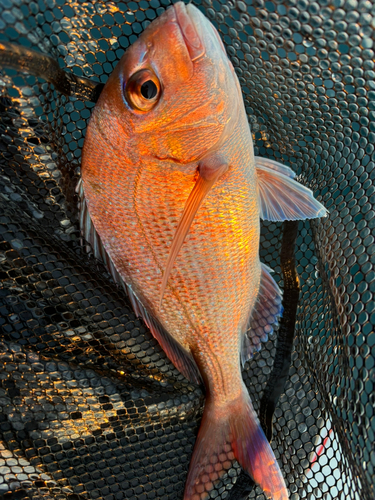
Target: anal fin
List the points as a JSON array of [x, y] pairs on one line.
[[265, 315]]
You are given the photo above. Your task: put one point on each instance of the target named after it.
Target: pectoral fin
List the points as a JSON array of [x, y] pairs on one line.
[[281, 197], [210, 170]]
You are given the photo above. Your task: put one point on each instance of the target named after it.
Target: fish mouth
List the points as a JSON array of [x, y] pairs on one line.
[[185, 21]]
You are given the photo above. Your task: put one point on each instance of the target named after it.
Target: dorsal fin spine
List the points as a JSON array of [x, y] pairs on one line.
[[182, 360]]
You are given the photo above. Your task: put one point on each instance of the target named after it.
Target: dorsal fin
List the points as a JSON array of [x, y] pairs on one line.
[[265, 315], [181, 359], [90, 235]]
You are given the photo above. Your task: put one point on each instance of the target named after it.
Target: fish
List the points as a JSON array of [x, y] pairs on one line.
[[171, 200]]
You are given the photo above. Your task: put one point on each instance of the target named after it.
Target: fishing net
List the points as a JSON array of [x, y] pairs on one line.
[[90, 407]]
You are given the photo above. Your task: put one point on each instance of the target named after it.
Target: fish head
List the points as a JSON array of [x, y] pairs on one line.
[[174, 94]]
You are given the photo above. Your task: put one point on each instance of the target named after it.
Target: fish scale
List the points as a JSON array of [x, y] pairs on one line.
[[175, 193], [146, 247]]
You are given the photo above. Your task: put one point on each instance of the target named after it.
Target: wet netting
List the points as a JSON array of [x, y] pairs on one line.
[[90, 407]]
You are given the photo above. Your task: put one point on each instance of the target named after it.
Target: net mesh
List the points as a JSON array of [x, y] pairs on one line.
[[90, 407]]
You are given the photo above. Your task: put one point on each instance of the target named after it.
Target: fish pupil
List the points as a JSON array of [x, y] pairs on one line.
[[149, 89]]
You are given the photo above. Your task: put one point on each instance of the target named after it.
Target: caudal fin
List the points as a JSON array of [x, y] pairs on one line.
[[232, 432]]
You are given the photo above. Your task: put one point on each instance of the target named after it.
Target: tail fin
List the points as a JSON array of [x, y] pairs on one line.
[[232, 432]]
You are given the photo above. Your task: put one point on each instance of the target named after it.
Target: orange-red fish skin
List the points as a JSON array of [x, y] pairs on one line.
[[138, 170]]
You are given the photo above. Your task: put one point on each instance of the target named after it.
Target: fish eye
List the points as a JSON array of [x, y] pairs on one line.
[[149, 89], [142, 90]]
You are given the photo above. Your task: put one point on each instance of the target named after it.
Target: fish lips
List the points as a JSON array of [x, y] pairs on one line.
[[186, 23], [199, 34]]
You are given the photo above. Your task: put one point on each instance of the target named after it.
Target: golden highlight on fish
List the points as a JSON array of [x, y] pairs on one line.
[[171, 200]]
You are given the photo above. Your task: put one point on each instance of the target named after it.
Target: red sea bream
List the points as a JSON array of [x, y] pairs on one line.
[[173, 193]]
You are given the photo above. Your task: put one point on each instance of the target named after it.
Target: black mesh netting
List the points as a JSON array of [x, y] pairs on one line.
[[90, 407]]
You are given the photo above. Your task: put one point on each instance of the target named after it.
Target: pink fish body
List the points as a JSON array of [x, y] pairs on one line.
[[172, 191]]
